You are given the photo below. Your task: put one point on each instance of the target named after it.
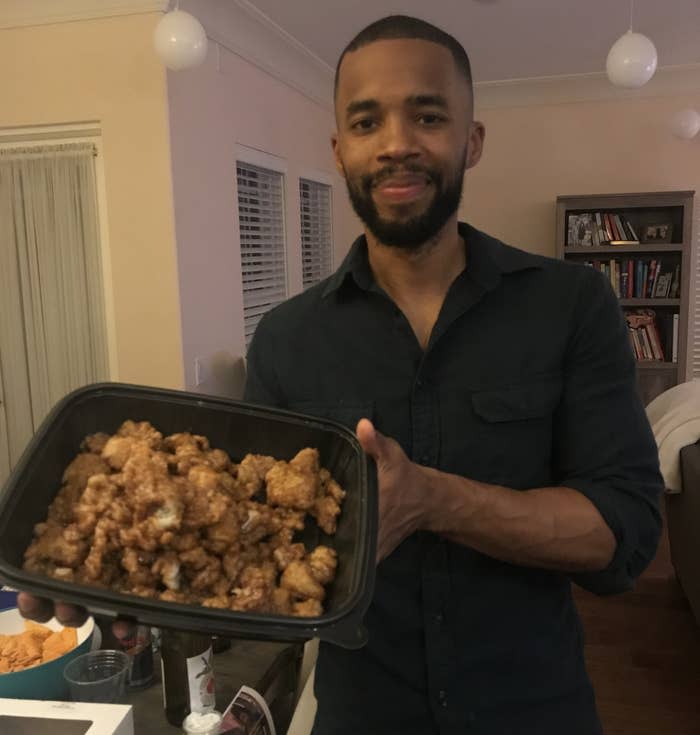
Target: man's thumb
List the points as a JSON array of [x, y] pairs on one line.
[[372, 441]]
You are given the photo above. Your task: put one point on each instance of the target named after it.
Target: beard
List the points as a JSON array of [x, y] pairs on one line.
[[413, 232]]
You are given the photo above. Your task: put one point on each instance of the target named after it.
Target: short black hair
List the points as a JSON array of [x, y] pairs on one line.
[[404, 26]]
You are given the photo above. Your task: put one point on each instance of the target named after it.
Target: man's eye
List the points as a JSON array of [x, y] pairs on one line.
[[430, 119], [367, 123]]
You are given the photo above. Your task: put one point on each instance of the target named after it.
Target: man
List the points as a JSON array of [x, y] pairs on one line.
[[520, 459]]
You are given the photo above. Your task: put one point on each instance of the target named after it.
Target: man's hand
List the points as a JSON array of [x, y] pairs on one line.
[[401, 496], [42, 609]]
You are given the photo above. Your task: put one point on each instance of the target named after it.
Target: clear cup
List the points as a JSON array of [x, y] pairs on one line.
[[98, 676]]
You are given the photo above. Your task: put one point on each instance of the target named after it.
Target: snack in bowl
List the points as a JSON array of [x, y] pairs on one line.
[[37, 644], [175, 520], [36, 659]]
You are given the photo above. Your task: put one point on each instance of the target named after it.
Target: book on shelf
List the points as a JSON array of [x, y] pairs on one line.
[[640, 278], [592, 229], [647, 340]]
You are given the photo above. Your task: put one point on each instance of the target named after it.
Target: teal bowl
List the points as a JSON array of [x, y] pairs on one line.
[[43, 681]]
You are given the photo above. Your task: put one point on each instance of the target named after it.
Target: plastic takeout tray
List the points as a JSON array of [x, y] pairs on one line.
[[238, 428]]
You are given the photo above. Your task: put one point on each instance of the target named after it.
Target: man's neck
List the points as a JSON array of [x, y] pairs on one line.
[[424, 273]]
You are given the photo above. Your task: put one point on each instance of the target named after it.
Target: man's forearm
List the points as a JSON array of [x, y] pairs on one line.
[[553, 527]]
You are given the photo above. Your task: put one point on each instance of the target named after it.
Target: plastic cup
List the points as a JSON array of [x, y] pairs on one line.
[[98, 676]]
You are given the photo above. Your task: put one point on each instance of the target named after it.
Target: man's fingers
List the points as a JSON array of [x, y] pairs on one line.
[[34, 608], [70, 615]]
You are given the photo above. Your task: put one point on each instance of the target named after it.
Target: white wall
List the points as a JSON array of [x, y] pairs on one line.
[[226, 103]]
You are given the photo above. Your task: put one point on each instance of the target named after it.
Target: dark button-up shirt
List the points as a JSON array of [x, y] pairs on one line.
[[528, 381]]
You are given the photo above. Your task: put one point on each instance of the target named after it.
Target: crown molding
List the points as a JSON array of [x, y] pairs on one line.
[[19, 13], [242, 29], [558, 90]]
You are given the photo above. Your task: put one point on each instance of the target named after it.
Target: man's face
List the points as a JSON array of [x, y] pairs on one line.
[[405, 137]]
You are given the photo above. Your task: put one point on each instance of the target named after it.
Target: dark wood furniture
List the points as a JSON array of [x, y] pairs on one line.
[[642, 209]]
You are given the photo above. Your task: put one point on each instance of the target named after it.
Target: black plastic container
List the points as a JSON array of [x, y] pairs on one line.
[[238, 428]]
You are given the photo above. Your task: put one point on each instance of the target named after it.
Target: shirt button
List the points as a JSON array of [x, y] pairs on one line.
[[438, 618], [419, 383], [442, 696], [424, 459]]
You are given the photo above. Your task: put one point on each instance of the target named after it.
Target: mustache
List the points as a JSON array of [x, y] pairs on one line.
[[372, 180]]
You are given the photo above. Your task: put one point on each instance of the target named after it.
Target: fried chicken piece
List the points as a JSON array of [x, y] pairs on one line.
[[294, 484], [281, 601], [185, 541], [96, 499], [254, 589], [299, 580], [285, 554], [82, 468], [326, 508], [61, 508], [167, 566], [323, 562], [203, 570], [310, 608], [175, 596], [202, 507], [326, 511], [94, 443], [251, 473], [54, 543], [138, 565], [119, 449], [105, 540], [222, 535], [186, 443], [143, 431], [257, 521], [222, 602]]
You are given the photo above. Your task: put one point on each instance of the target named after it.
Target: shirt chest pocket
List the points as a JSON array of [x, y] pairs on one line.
[[513, 431]]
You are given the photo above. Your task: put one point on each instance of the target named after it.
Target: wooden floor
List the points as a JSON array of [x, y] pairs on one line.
[[643, 655]]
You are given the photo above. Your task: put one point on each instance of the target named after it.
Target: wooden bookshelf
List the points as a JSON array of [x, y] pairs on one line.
[[641, 210]]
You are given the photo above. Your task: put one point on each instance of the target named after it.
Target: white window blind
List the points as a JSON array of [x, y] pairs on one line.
[[263, 257], [316, 231]]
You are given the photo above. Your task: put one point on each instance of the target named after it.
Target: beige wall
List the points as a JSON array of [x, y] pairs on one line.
[[106, 71], [535, 153]]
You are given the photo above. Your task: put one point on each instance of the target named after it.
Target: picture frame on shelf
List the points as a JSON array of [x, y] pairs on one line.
[[660, 232]]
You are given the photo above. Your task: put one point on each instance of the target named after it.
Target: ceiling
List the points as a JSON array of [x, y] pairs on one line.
[[506, 39]]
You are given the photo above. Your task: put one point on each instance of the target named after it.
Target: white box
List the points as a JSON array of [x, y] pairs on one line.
[[25, 716]]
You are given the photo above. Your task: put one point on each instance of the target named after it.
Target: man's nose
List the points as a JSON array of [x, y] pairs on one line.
[[398, 141]]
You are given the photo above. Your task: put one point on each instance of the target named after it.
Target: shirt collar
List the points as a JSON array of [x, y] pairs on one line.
[[487, 259]]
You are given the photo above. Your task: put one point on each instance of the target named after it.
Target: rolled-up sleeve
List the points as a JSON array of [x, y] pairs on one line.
[[603, 444]]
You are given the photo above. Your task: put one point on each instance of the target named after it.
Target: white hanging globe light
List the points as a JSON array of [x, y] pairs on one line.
[[632, 60], [686, 124], [180, 40]]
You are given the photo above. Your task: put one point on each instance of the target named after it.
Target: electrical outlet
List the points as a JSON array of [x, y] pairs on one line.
[[201, 373]]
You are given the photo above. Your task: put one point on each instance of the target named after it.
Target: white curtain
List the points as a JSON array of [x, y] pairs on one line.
[[52, 320]]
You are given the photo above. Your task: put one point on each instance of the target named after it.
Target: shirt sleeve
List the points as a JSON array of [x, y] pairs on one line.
[[603, 444], [261, 383]]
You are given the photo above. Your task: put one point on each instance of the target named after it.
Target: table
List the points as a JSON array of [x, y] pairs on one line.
[[271, 668]]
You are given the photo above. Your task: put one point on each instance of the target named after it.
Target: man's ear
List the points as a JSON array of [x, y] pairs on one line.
[[336, 154], [477, 135]]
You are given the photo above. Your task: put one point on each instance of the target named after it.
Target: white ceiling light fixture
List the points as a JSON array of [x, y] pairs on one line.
[[685, 124], [632, 60], [180, 40]]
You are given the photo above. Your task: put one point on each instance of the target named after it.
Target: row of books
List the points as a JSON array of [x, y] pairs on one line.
[[600, 228], [653, 336], [643, 278]]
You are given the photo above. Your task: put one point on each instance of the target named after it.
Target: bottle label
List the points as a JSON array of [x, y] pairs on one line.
[[200, 678]]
